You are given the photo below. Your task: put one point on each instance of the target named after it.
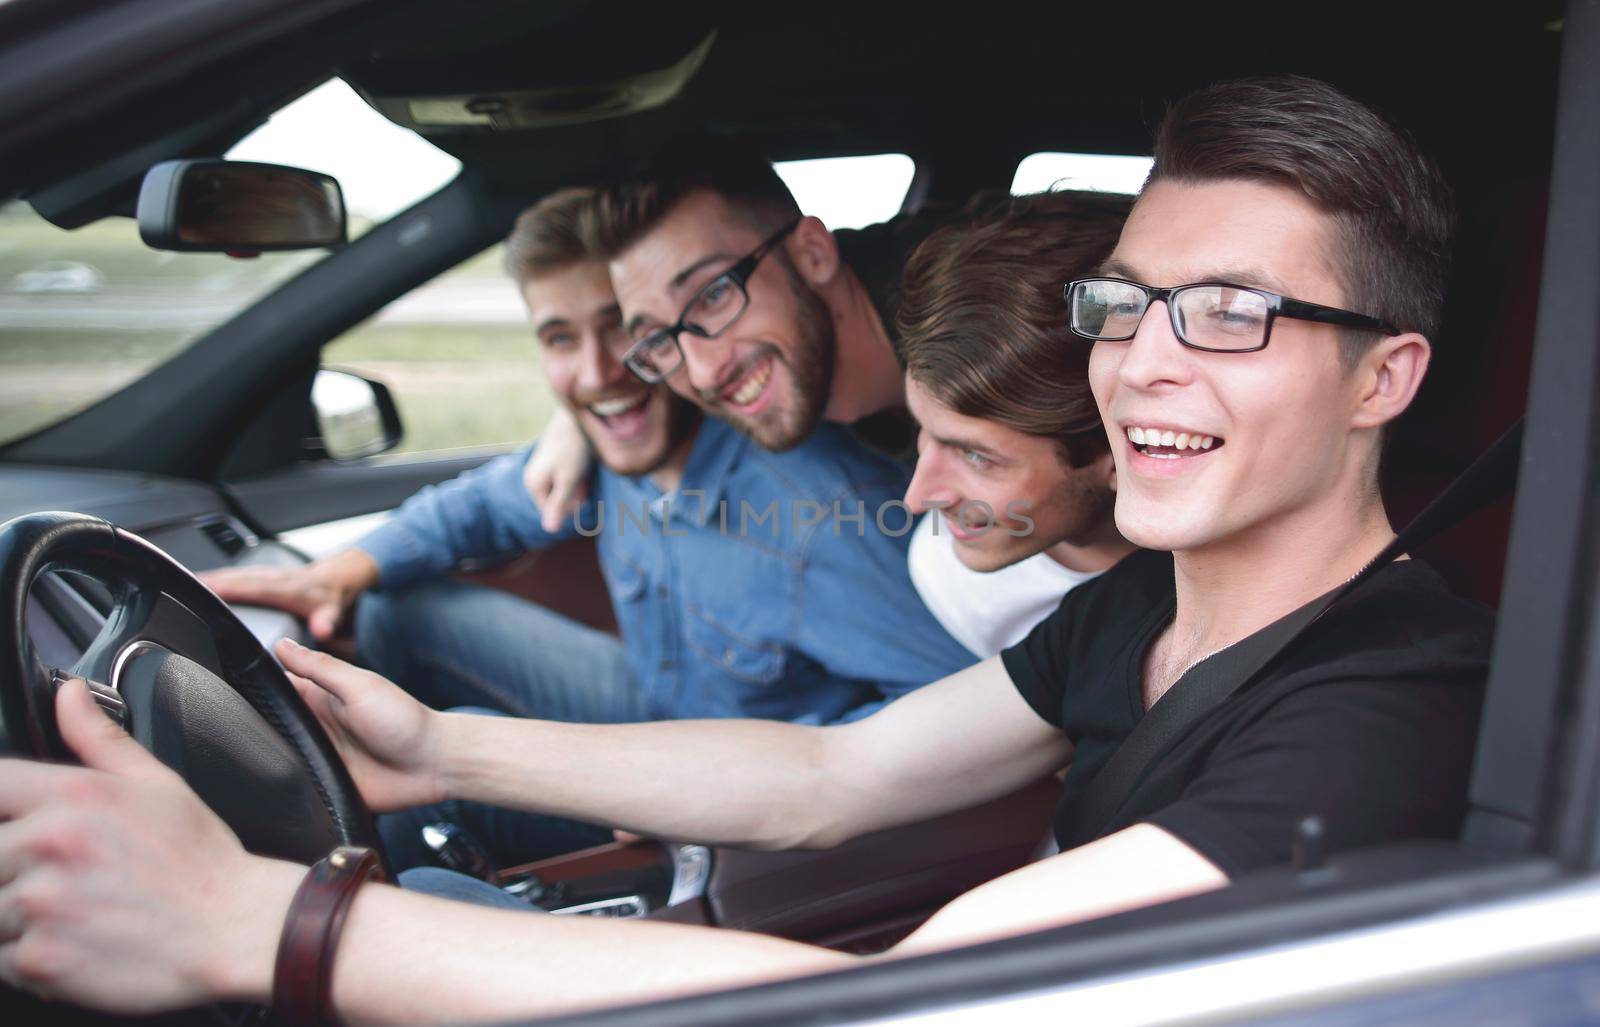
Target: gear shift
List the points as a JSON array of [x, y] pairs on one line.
[[455, 849]]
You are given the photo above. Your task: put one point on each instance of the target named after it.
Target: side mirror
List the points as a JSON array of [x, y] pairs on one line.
[[221, 206], [356, 416]]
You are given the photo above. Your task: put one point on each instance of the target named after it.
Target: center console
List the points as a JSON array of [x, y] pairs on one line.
[[861, 896]]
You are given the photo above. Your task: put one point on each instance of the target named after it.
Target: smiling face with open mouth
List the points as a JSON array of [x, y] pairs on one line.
[[1209, 445], [769, 373], [634, 428]]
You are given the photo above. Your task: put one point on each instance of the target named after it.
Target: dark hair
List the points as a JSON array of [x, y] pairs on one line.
[[552, 234], [1390, 204], [981, 320], [630, 206]]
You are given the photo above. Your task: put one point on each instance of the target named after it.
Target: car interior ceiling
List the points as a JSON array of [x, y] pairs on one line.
[[965, 99], [878, 80]]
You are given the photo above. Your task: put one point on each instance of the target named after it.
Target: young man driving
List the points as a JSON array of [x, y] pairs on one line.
[[1272, 291]]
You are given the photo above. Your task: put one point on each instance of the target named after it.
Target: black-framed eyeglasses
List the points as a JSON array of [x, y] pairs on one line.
[[1217, 317], [711, 311]]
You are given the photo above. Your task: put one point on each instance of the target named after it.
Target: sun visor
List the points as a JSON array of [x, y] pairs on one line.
[[546, 106]]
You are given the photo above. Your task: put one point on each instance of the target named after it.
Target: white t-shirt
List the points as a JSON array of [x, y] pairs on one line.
[[985, 612]]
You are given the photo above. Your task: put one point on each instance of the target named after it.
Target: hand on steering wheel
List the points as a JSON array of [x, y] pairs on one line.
[[119, 888], [199, 690], [387, 739], [124, 854]]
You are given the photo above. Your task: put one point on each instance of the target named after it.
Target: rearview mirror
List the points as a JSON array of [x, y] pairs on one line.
[[221, 206]]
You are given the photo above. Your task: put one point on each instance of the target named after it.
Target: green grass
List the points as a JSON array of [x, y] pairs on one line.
[[113, 247], [435, 423], [464, 344], [454, 386], [79, 346]]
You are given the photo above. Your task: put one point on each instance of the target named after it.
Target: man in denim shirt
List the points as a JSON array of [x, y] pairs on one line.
[[763, 586], [745, 583]]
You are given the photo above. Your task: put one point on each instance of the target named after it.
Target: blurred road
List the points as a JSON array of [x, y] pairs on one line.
[[165, 306]]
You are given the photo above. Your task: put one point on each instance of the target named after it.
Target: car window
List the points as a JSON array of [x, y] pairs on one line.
[[86, 312], [459, 358], [1095, 172], [849, 192]]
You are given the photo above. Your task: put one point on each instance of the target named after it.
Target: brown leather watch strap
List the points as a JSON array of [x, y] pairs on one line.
[[302, 983]]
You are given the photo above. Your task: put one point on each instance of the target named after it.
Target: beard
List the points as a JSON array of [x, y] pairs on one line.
[[784, 425]]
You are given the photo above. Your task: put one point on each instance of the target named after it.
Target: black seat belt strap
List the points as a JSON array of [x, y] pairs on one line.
[[1213, 680]]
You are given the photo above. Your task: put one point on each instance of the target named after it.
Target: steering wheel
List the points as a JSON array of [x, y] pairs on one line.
[[187, 679]]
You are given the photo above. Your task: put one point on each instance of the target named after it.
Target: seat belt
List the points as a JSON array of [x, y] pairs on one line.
[[1209, 683]]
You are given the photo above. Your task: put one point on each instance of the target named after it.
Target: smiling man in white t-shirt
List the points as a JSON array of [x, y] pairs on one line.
[[1013, 468]]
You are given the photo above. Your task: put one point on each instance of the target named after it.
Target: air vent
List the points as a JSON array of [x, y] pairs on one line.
[[228, 535]]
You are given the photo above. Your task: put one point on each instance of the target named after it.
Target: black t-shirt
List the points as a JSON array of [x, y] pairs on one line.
[[1368, 720], [878, 255]]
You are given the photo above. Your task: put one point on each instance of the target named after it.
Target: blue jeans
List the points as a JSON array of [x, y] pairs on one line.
[[447, 884], [453, 645]]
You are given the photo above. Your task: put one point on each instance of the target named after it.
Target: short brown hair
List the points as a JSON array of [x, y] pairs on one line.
[[1391, 205], [630, 206], [983, 325], [554, 233]]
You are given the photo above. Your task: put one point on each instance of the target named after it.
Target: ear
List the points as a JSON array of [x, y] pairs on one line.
[[1104, 468], [1387, 378], [814, 252]]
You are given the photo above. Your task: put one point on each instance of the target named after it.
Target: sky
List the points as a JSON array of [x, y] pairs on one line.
[[384, 168]]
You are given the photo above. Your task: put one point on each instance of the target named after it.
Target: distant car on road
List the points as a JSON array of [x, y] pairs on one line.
[[59, 276]]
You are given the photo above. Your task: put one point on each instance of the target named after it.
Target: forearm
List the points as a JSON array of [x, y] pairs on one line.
[[468, 964], [480, 514], [758, 784], [408, 958], [1138, 866], [762, 784]]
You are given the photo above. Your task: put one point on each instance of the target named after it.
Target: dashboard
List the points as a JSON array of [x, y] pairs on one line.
[[191, 522]]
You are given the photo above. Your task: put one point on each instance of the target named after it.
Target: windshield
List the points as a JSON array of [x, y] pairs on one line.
[[85, 312]]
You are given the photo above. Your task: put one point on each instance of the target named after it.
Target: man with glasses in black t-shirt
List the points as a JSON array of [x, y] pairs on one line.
[[1263, 317]]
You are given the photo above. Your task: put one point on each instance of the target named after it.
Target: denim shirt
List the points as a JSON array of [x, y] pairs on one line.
[[769, 585]]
